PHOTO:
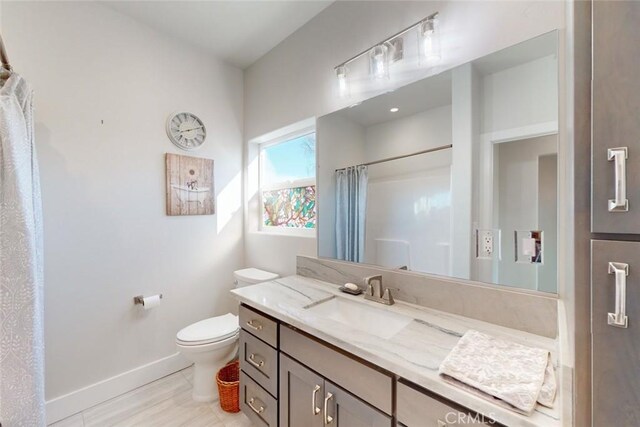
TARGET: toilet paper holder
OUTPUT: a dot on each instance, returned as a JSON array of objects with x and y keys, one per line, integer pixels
[{"x": 140, "y": 299}]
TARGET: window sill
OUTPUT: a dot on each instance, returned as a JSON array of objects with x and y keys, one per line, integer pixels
[{"x": 305, "y": 233}]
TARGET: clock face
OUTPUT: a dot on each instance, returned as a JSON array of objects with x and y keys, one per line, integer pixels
[{"x": 186, "y": 130}]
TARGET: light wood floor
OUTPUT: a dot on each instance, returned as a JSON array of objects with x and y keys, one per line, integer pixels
[{"x": 165, "y": 402}]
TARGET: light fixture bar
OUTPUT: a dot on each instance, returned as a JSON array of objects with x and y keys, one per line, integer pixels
[{"x": 387, "y": 40}]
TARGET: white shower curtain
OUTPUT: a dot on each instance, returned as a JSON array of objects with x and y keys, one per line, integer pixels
[
  {"x": 21, "y": 283},
  {"x": 351, "y": 210}
]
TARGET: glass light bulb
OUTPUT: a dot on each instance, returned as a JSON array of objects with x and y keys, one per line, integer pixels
[
  {"x": 379, "y": 61},
  {"x": 430, "y": 36},
  {"x": 343, "y": 83}
]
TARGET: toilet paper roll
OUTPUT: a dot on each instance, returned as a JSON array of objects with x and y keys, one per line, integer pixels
[{"x": 151, "y": 302}]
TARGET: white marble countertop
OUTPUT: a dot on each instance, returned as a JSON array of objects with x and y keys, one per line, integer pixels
[{"x": 414, "y": 353}]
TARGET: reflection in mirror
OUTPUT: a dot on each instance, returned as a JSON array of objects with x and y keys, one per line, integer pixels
[{"x": 454, "y": 175}]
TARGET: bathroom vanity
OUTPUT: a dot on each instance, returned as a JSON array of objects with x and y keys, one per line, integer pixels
[
  {"x": 449, "y": 190},
  {"x": 312, "y": 356}
]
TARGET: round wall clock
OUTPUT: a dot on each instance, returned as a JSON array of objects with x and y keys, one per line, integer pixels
[{"x": 186, "y": 130}]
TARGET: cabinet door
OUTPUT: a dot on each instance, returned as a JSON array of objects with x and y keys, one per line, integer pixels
[
  {"x": 301, "y": 394},
  {"x": 416, "y": 408},
  {"x": 616, "y": 332},
  {"x": 616, "y": 108},
  {"x": 341, "y": 409}
]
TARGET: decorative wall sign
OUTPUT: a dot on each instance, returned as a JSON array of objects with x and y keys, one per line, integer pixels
[{"x": 190, "y": 186}]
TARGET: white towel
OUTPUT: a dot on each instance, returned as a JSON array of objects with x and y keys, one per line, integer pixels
[{"x": 507, "y": 373}]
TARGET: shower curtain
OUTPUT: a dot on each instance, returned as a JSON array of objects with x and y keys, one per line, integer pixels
[
  {"x": 351, "y": 209},
  {"x": 21, "y": 281}
]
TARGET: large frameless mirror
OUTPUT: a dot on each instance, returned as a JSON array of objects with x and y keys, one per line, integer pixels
[{"x": 454, "y": 175}]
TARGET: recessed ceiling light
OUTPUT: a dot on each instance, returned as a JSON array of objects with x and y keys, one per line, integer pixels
[{"x": 394, "y": 110}]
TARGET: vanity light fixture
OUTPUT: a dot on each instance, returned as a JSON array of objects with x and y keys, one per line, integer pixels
[
  {"x": 392, "y": 49},
  {"x": 394, "y": 109}
]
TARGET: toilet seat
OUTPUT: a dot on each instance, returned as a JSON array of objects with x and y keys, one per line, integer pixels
[{"x": 207, "y": 331}]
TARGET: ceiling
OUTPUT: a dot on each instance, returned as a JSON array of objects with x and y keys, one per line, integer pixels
[
  {"x": 422, "y": 95},
  {"x": 238, "y": 32}
]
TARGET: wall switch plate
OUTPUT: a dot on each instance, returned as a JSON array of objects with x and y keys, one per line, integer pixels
[
  {"x": 487, "y": 244},
  {"x": 529, "y": 246}
]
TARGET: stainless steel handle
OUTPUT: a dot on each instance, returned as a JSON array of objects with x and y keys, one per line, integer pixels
[
  {"x": 327, "y": 418},
  {"x": 619, "y": 157},
  {"x": 619, "y": 318},
  {"x": 314, "y": 409},
  {"x": 254, "y": 324},
  {"x": 252, "y": 359},
  {"x": 256, "y": 410}
]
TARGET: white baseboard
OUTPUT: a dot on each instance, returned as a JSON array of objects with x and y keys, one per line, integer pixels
[{"x": 84, "y": 398}]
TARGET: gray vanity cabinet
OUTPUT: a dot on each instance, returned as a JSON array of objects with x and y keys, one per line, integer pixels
[
  {"x": 292, "y": 379},
  {"x": 615, "y": 206},
  {"x": 258, "y": 356},
  {"x": 615, "y": 276},
  {"x": 307, "y": 399},
  {"x": 301, "y": 394},
  {"x": 616, "y": 129}
]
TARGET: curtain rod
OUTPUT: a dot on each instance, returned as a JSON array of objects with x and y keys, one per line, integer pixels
[
  {"x": 388, "y": 159},
  {"x": 4, "y": 58}
]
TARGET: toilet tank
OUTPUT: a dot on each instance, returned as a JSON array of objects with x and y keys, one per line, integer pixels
[{"x": 250, "y": 276}]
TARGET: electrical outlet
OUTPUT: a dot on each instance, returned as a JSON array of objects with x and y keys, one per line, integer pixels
[{"x": 486, "y": 241}]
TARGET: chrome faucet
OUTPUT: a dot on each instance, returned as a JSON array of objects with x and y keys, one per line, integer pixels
[{"x": 376, "y": 292}]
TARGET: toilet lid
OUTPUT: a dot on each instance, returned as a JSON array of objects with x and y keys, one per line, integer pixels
[{"x": 210, "y": 330}]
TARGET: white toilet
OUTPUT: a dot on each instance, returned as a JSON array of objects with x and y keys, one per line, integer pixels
[{"x": 212, "y": 343}]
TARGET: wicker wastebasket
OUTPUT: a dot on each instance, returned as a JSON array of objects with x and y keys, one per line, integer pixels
[{"x": 228, "y": 379}]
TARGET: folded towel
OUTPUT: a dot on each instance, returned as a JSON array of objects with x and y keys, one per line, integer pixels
[{"x": 507, "y": 373}]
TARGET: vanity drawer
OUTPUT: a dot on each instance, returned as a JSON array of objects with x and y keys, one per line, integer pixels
[
  {"x": 257, "y": 404},
  {"x": 417, "y": 409},
  {"x": 367, "y": 383},
  {"x": 259, "y": 361},
  {"x": 259, "y": 325}
]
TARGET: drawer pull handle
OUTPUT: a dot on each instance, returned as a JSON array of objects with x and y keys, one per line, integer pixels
[
  {"x": 619, "y": 317},
  {"x": 619, "y": 156},
  {"x": 257, "y": 363},
  {"x": 315, "y": 410},
  {"x": 254, "y": 324},
  {"x": 327, "y": 418},
  {"x": 256, "y": 410}
]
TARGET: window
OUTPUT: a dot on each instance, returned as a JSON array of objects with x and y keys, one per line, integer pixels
[{"x": 288, "y": 183}]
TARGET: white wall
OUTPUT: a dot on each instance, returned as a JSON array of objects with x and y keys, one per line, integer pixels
[
  {"x": 295, "y": 80},
  {"x": 521, "y": 96},
  {"x": 420, "y": 186},
  {"x": 427, "y": 129},
  {"x": 518, "y": 208},
  {"x": 341, "y": 143},
  {"x": 517, "y": 103},
  {"x": 104, "y": 86}
]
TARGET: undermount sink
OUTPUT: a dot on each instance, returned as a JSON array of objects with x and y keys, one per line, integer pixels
[{"x": 373, "y": 321}]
